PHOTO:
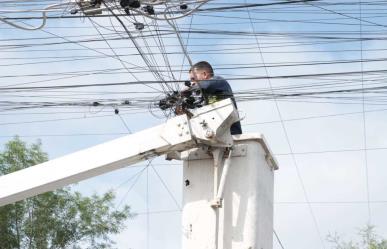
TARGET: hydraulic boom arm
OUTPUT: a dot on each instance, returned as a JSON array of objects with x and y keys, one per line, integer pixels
[{"x": 209, "y": 125}]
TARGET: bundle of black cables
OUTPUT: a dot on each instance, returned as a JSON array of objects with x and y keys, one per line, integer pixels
[{"x": 181, "y": 102}]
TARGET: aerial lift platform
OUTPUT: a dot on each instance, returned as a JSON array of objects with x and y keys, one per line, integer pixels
[{"x": 228, "y": 192}]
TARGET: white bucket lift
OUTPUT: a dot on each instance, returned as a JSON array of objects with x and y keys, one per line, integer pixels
[
  {"x": 229, "y": 208},
  {"x": 228, "y": 194}
]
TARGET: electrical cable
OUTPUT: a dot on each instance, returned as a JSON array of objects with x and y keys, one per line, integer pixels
[
  {"x": 288, "y": 141},
  {"x": 278, "y": 239},
  {"x": 364, "y": 115},
  {"x": 44, "y": 16}
]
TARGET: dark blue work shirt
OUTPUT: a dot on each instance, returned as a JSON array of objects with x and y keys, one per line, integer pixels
[{"x": 216, "y": 89}]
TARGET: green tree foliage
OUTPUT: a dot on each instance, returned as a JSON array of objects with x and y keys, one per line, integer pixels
[
  {"x": 58, "y": 219},
  {"x": 368, "y": 240}
]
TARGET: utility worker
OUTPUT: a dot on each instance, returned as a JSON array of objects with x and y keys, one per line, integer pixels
[{"x": 214, "y": 88}]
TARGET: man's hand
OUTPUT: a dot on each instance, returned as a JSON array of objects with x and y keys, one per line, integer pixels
[{"x": 179, "y": 110}]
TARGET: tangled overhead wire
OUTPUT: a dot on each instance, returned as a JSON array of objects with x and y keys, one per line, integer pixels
[
  {"x": 182, "y": 102},
  {"x": 156, "y": 10},
  {"x": 49, "y": 8}
]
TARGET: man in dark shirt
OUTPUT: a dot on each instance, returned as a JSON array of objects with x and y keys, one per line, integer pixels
[{"x": 214, "y": 88}]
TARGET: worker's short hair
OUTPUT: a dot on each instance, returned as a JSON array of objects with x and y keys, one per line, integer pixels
[{"x": 203, "y": 65}]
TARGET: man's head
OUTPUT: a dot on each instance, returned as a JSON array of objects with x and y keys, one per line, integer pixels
[{"x": 201, "y": 71}]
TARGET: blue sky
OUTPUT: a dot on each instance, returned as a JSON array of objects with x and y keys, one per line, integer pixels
[{"x": 330, "y": 147}]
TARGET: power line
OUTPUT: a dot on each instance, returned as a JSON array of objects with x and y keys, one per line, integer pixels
[
  {"x": 278, "y": 239},
  {"x": 288, "y": 140}
]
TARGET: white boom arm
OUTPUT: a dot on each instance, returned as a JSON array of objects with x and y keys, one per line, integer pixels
[{"x": 209, "y": 125}]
